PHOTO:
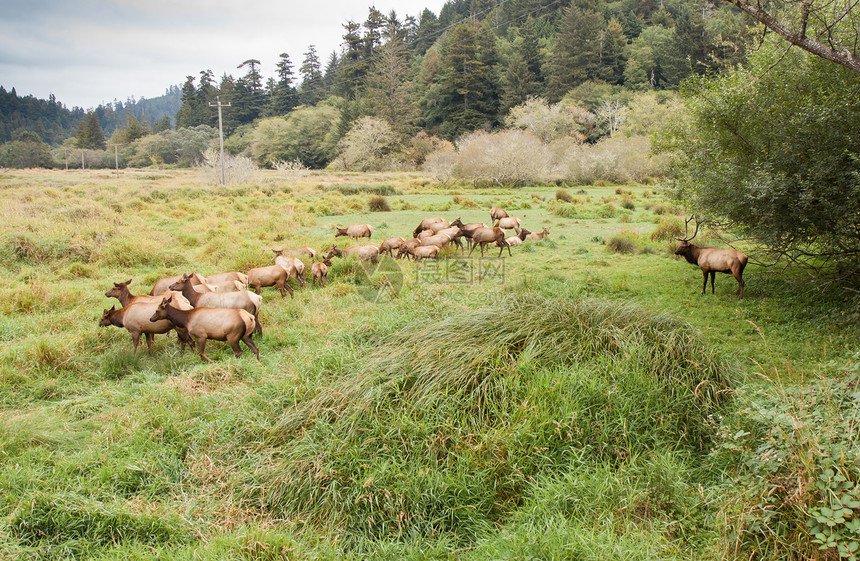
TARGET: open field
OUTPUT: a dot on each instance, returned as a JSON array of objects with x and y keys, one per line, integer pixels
[{"x": 570, "y": 401}]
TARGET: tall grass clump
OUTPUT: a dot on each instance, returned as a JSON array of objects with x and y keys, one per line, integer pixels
[
  {"x": 440, "y": 427},
  {"x": 793, "y": 454}
]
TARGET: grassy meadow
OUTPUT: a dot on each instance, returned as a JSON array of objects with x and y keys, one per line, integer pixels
[{"x": 579, "y": 399}]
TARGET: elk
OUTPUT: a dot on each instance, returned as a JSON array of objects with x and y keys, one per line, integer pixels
[
  {"x": 319, "y": 271},
  {"x": 509, "y": 222},
  {"x": 539, "y": 235},
  {"x": 272, "y": 275},
  {"x": 355, "y": 231},
  {"x": 425, "y": 224},
  {"x": 518, "y": 239},
  {"x": 121, "y": 292},
  {"x": 497, "y": 214},
  {"x": 407, "y": 246},
  {"x": 388, "y": 246},
  {"x": 712, "y": 260},
  {"x": 294, "y": 266},
  {"x": 485, "y": 236},
  {"x": 364, "y": 252},
  {"x": 135, "y": 319},
  {"x": 244, "y": 300},
  {"x": 221, "y": 324},
  {"x": 163, "y": 285},
  {"x": 424, "y": 252}
]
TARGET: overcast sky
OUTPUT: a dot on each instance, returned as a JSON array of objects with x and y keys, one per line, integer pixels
[{"x": 88, "y": 52}]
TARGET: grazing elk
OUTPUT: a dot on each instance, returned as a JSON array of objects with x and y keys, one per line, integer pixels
[
  {"x": 220, "y": 324},
  {"x": 355, "y": 231},
  {"x": 497, "y": 214},
  {"x": 712, "y": 260},
  {"x": 486, "y": 236},
  {"x": 388, "y": 246},
  {"x": 425, "y": 224},
  {"x": 294, "y": 266},
  {"x": 121, "y": 292},
  {"x": 424, "y": 252},
  {"x": 364, "y": 252}
]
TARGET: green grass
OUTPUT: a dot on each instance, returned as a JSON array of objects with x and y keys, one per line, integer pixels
[{"x": 585, "y": 403}]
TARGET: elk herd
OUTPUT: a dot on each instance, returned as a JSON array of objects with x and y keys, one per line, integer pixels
[{"x": 226, "y": 306}]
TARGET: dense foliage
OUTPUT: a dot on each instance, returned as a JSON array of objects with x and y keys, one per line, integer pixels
[{"x": 788, "y": 173}]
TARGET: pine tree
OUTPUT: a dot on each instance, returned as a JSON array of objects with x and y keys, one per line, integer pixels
[
  {"x": 161, "y": 125},
  {"x": 185, "y": 115},
  {"x": 90, "y": 134},
  {"x": 576, "y": 57},
  {"x": 389, "y": 93},
  {"x": 250, "y": 98},
  {"x": 353, "y": 66},
  {"x": 283, "y": 97},
  {"x": 427, "y": 32},
  {"x": 311, "y": 77},
  {"x": 373, "y": 26}
]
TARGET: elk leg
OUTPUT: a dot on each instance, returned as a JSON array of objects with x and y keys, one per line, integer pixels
[
  {"x": 740, "y": 286},
  {"x": 135, "y": 339},
  {"x": 713, "y": 275},
  {"x": 705, "y": 284},
  {"x": 201, "y": 348},
  {"x": 250, "y": 342},
  {"x": 149, "y": 337},
  {"x": 234, "y": 344},
  {"x": 258, "y": 327}
]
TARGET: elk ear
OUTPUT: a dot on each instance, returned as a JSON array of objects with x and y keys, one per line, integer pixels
[{"x": 128, "y": 282}]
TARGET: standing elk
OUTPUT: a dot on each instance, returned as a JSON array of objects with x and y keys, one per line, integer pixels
[
  {"x": 486, "y": 236},
  {"x": 390, "y": 245},
  {"x": 295, "y": 267},
  {"x": 712, "y": 260},
  {"x": 320, "y": 272},
  {"x": 363, "y": 252},
  {"x": 509, "y": 222},
  {"x": 355, "y": 231},
  {"x": 221, "y": 324}
]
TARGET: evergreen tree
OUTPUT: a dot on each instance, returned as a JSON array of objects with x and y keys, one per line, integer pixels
[
  {"x": 185, "y": 115},
  {"x": 161, "y": 125},
  {"x": 427, "y": 32},
  {"x": 353, "y": 64},
  {"x": 249, "y": 99},
  {"x": 466, "y": 94},
  {"x": 134, "y": 129},
  {"x": 390, "y": 94},
  {"x": 612, "y": 59},
  {"x": 373, "y": 26},
  {"x": 311, "y": 77},
  {"x": 516, "y": 84},
  {"x": 283, "y": 97},
  {"x": 576, "y": 57},
  {"x": 90, "y": 134},
  {"x": 205, "y": 94}
]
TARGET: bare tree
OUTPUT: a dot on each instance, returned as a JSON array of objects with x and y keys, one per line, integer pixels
[{"x": 829, "y": 29}]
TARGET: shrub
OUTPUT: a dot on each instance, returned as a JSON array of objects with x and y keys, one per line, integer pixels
[
  {"x": 378, "y": 203},
  {"x": 667, "y": 230},
  {"x": 628, "y": 203},
  {"x": 626, "y": 242},
  {"x": 562, "y": 195},
  {"x": 237, "y": 169},
  {"x": 508, "y": 157},
  {"x": 565, "y": 210}
]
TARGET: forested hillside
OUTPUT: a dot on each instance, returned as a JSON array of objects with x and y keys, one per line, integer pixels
[{"x": 53, "y": 122}]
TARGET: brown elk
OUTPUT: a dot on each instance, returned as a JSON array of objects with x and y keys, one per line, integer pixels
[
  {"x": 388, "y": 246},
  {"x": 497, "y": 214},
  {"x": 509, "y": 222},
  {"x": 272, "y": 275},
  {"x": 220, "y": 324},
  {"x": 364, "y": 252},
  {"x": 294, "y": 266},
  {"x": 320, "y": 272},
  {"x": 121, "y": 292},
  {"x": 518, "y": 239},
  {"x": 355, "y": 231},
  {"x": 244, "y": 300},
  {"x": 538, "y": 235},
  {"x": 135, "y": 319},
  {"x": 712, "y": 260},
  {"x": 486, "y": 236},
  {"x": 424, "y": 252},
  {"x": 424, "y": 224}
]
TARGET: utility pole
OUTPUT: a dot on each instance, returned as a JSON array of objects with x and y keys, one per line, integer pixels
[
  {"x": 219, "y": 105},
  {"x": 116, "y": 157}
]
